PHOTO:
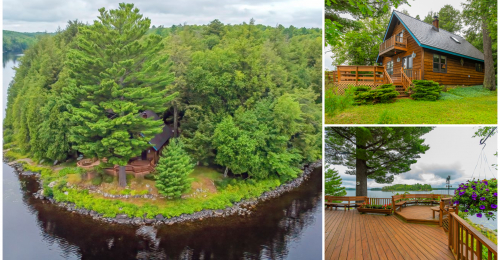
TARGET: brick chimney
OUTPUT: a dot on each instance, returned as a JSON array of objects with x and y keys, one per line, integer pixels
[{"x": 435, "y": 23}]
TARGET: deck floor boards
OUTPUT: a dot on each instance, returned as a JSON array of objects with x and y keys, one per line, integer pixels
[
  {"x": 418, "y": 212},
  {"x": 350, "y": 235}
]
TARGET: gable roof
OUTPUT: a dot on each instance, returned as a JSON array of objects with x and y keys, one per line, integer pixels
[
  {"x": 429, "y": 38},
  {"x": 160, "y": 139}
]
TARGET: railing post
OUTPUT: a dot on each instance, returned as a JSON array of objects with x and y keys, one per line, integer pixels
[
  {"x": 441, "y": 212},
  {"x": 338, "y": 74},
  {"x": 479, "y": 249},
  {"x": 356, "y": 75}
]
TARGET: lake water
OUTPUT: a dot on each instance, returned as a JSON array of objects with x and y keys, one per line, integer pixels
[
  {"x": 288, "y": 227},
  {"x": 492, "y": 224}
]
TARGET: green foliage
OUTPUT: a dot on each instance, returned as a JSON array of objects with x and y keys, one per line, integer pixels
[
  {"x": 107, "y": 178},
  {"x": 478, "y": 197},
  {"x": 388, "y": 117},
  {"x": 386, "y": 151},
  {"x": 18, "y": 41},
  {"x": 474, "y": 91},
  {"x": 382, "y": 94},
  {"x": 449, "y": 19},
  {"x": 425, "y": 90},
  {"x": 70, "y": 170},
  {"x": 335, "y": 103},
  {"x": 97, "y": 180},
  {"x": 333, "y": 183},
  {"x": 173, "y": 169},
  {"x": 408, "y": 187}
]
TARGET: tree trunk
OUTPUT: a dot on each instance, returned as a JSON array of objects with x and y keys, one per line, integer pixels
[
  {"x": 489, "y": 66},
  {"x": 122, "y": 176},
  {"x": 175, "y": 121},
  {"x": 361, "y": 178}
]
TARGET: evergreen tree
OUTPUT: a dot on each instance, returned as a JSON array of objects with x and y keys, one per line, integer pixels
[
  {"x": 116, "y": 72},
  {"x": 377, "y": 153},
  {"x": 173, "y": 169},
  {"x": 333, "y": 183}
]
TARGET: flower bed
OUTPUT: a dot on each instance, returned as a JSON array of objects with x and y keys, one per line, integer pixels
[
  {"x": 477, "y": 197},
  {"x": 371, "y": 208}
]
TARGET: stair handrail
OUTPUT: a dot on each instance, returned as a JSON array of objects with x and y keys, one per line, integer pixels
[
  {"x": 405, "y": 80},
  {"x": 389, "y": 79}
]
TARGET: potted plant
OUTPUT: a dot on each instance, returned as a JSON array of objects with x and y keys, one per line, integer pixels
[
  {"x": 477, "y": 197},
  {"x": 367, "y": 208}
]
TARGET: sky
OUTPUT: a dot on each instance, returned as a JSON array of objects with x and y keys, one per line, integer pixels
[
  {"x": 418, "y": 7},
  {"x": 452, "y": 152},
  {"x": 48, "y": 15}
]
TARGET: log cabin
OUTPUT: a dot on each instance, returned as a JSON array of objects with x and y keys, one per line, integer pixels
[{"x": 413, "y": 49}]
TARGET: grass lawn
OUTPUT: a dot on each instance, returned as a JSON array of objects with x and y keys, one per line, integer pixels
[{"x": 469, "y": 105}]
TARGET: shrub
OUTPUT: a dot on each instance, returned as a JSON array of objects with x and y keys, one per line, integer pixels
[
  {"x": 385, "y": 93},
  {"x": 362, "y": 95},
  {"x": 97, "y": 180},
  {"x": 335, "y": 103},
  {"x": 478, "y": 197},
  {"x": 107, "y": 178},
  {"x": 70, "y": 170},
  {"x": 425, "y": 90}
]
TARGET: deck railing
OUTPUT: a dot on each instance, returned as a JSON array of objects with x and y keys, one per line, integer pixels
[
  {"x": 358, "y": 75},
  {"x": 466, "y": 242},
  {"x": 394, "y": 41},
  {"x": 408, "y": 76},
  {"x": 379, "y": 201}
]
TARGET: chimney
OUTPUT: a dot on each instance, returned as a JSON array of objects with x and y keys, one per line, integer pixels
[{"x": 435, "y": 23}]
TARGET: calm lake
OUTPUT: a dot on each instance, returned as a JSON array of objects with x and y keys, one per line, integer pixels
[
  {"x": 492, "y": 224},
  {"x": 289, "y": 227}
]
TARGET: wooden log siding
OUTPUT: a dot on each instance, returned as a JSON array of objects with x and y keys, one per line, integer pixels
[
  {"x": 456, "y": 74},
  {"x": 466, "y": 242}
]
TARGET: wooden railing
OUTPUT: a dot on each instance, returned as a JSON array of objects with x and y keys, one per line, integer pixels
[
  {"x": 388, "y": 77},
  {"x": 330, "y": 76},
  {"x": 466, "y": 242},
  {"x": 412, "y": 74},
  {"x": 405, "y": 81},
  {"x": 378, "y": 201},
  {"x": 394, "y": 41},
  {"x": 445, "y": 207},
  {"x": 358, "y": 75}
]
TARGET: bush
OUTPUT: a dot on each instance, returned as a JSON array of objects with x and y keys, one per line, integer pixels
[
  {"x": 384, "y": 94},
  {"x": 70, "y": 170},
  {"x": 425, "y": 90},
  {"x": 107, "y": 178},
  {"x": 335, "y": 103},
  {"x": 97, "y": 180}
]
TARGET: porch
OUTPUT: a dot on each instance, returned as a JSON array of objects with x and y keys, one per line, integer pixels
[{"x": 372, "y": 76}]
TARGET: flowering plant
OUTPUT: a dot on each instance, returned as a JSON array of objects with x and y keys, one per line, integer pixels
[{"x": 477, "y": 197}]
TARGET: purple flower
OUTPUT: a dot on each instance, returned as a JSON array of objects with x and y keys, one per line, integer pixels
[
  {"x": 473, "y": 198},
  {"x": 456, "y": 202},
  {"x": 483, "y": 198},
  {"x": 466, "y": 210},
  {"x": 485, "y": 182},
  {"x": 491, "y": 213},
  {"x": 493, "y": 206},
  {"x": 487, "y": 189},
  {"x": 482, "y": 207},
  {"x": 495, "y": 194},
  {"x": 461, "y": 193},
  {"x": 479, "y": 215},
  {"x": 474, "y": 195}
]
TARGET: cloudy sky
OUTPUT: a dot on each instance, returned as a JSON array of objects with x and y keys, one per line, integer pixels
[
  {"x": 48, "y": 15},
  {"x": 452, "y": 152},
  {"x": 420, "y": 7}
]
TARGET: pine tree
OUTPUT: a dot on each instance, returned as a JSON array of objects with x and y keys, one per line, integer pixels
[
  {"x": 333, "y": 183},
  {"x": 173, "y": 169},
  {"x": 116, "y": 71}
]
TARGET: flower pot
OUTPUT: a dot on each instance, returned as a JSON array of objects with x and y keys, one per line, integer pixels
[{"x": 381, "y": 211}]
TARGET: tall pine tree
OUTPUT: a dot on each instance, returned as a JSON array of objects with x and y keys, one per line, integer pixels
[
  {"x": 116, "y": 72},
  {"x": 173, "y": 169},
  {"x": 333, "y": 183}
]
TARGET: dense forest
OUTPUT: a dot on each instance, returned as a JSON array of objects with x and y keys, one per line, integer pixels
[
  {"x": 408, "y": 187},
  {"x": 243, "y": 97},
  {"x": 18, "y": 41}
]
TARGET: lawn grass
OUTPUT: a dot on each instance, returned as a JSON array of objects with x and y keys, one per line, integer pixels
[
  {"x": 469, "y": 105},
  {"x": 202, "y": 172}
]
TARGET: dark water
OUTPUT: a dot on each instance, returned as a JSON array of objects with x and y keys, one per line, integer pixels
[{"x": 288, "y": 227}]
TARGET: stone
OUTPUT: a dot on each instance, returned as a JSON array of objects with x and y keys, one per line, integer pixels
[
  {"x": 159, "y": 217},
  {"x": 56, "y": 162},
  {"x": 219, "y": 212},
  {"x": 52, "y": 184},
  {"x": 121, "y": 216}
]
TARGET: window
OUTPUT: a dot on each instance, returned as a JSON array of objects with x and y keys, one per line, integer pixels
[
  {"x": 390, "y": 67},
  {"x": 439, "y": 63},
  {"x": 407, "y": 62},
  {"x": 455, "y": 39},
  {"x": 479, "y": 68}
]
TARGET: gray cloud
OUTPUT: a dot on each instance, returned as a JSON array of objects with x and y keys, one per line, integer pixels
[{"x": 37, "y": 15}]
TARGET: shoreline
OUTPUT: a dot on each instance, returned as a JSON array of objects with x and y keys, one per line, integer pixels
[{"x": 241, "y": 208}]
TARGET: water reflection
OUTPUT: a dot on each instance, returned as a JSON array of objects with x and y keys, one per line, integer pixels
[
  {"x": 272, "y": 232},
  {"x": 10, "y": 57}
]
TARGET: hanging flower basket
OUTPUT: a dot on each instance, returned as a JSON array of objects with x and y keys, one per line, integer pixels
[{"x": 477, "y": 197}]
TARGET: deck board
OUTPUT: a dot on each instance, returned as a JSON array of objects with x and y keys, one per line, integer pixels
[{"x": 350, "y": 235}]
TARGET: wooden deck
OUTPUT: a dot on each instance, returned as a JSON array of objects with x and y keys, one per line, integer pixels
[
  {"x": 418, "y": 214},
  {"x": 350, "y": 235}
]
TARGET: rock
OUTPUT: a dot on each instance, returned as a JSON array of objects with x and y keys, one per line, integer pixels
[
  {"x": 121, "y": 216},
  {"x": 159, "y": 217},
  {"x": 149, "y": 221},
  {"x": 56, "y": 162},
  {"x": 41, "y": 161},
  {"x": 219, "y": 212},
  {"x": 66, "y": 193},
  {"x": 52, "y": 184}
]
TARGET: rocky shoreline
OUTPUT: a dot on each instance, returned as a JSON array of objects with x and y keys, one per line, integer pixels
[{"x": 242, "y": 208}]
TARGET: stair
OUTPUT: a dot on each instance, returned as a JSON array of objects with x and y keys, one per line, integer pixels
[{"x": 401, "y": 90}]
